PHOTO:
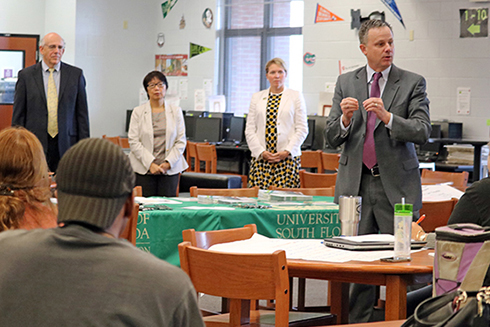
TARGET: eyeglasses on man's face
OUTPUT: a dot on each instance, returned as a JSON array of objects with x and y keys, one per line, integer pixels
[{"x": 52, "y": 47}]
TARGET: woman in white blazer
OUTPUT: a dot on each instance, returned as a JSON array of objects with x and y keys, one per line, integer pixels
[
  {"x": 157, "y": 140},
  {"x": 276, "y": 128}
]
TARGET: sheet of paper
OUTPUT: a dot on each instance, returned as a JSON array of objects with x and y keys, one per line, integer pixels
[
  {"x": 440, "y": 192},
  {"x": 310, "y": 249},
  {"x": 143, "y": 200},
  {"x": 185, "y": 199},
  {"x": 183, "y": 88},
  {"x": 208, "y": 208}
]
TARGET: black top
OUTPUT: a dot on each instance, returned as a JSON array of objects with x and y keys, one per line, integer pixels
[{"x": 474, "y": 205}]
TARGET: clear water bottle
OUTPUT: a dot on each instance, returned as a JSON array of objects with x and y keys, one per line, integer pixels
[{"x": 403, "y": 230}]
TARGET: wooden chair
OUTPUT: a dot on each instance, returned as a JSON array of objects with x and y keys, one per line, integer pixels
[
  {"x": 312, "y": 159},
  {"x": 330, "y": 162},
  {"x": 437, "y": 213},
  {"x": 124, "y": 142},
  {"x": 114, "y": 139},
  {"x": 252, "y": 192},
  {"x": 459, "y": 180},
  {"x": 207, "y": 153},
  {"x": 324, "y": 191},
  {"x": 191, "y": 157},
  {"x": 206, "y": 239},
  {"x": 138, "y": 191},
  {"x": 129, "y": 233},
  {"x": 312, "y": 180},
  {"x": 244, "y": 278}
]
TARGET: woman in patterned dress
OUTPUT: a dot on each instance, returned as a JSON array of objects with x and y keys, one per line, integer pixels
[{"x": 276, "y": 128}]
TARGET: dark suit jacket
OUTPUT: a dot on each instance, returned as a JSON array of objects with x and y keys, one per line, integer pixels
[
  {"x": 405, "y": 97},
  {"x": 31, "y": 111}
]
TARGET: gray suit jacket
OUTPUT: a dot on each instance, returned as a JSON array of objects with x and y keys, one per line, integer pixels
[
  {"x": 405, "y": 97},
  {"x": 31, "y": 111}
]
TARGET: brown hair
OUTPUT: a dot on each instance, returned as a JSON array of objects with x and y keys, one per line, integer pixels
[
  {"x": 368, "y": 25},
  {"x": 23, "y": 175}
]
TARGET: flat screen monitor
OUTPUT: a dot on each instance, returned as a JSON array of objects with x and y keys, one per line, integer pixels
[
  {"x": 237, "y": 130},
  {"x": 190, "y": 127},
  {"x": 208, "y": 130},
  {"x": 319, "y": 138},
  {"x": 225, "y": 122},
  {"x": 308, "y": 143},
  {"x": 128, "y": 118}
]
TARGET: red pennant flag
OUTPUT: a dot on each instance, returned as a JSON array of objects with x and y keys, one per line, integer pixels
[{"x": 323, "y": 15}]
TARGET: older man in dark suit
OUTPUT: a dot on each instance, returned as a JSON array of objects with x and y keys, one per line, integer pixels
[
  {"x": 379, "y": 111},
  {"x": 50, "y": 101}
]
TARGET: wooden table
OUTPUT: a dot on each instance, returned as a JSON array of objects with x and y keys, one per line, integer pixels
[{"x": 396, "y": 277}]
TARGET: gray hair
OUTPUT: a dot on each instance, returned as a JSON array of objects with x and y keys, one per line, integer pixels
[{"x": 369, "y": 24}]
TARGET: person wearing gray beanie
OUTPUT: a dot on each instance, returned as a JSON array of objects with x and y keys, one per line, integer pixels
[{"x": 80, "y": 274}]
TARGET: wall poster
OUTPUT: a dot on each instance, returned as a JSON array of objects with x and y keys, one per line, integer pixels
[{"x": 172, "y": 65}]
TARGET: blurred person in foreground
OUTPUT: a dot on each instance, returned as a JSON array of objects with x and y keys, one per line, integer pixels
[
  {"x": 157, "y": 140},
  {"x": 24, "y": 184},
  {"x": 276, "y": 128},
  {"x": 81, "y": 274}
]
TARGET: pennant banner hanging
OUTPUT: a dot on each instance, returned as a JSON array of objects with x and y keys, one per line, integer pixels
[
  {"x": 167, "y": 6},
  {"x": 391, "y": 4},
  {"x": 196, "y": 50},
  {"x": 323, "y": 15}
]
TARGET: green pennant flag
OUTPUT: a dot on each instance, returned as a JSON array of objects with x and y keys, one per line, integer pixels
[
  {"x": 167, "y": 6},
  {"x": 196, "y": 50}
]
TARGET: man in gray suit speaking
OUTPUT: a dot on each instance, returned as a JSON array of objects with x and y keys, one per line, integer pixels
[
  {"x": 379, "y": 111},
  {"x": 50, "y": 101}
]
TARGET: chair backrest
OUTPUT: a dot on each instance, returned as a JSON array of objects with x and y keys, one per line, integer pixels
[
  {"x": 206, "y": 239},
  {"x": 437, "y": 213},
  {"x": 330, "y": 161},
  {"x": 312, "y": 159},
  {"x": 239, "y": 277},
  {"x": 191, "y": 153},
  {"x": 312, "y": 180},
  {"x": 138, "y": 191},
  {"x": 251, "y": 192},
  {"x": 114, "y": 139},
  {"x": 124, "y": 142},
  {"x": 207, "y": 153},
  {"x": 129, "y": 233},
  {"x": 459, "y": 180},
  {"x": 320, "y": 191}
]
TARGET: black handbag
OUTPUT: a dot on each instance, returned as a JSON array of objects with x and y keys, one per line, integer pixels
[{"x": 455, "y": 309}]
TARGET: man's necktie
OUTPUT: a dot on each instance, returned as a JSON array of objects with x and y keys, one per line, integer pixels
[
  {"x": 369, "y": 152},
  {"x": 52, "y": 105}
]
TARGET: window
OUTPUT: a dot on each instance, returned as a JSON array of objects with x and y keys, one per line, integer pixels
[{"x": 250, "y": 33}]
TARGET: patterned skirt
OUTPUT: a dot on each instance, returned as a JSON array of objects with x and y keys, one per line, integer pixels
[{"x": 283, "y": 174}]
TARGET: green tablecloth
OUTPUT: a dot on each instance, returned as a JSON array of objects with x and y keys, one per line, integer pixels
[{"x": 159, "y": 232}]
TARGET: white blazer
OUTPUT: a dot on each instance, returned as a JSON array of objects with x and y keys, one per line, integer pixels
[
  {"x": 292, "y": 125},
  {"x": 141, "y": 139}
]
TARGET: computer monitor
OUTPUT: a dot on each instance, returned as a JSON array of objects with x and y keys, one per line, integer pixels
[
  {"x": 190, "y": 127},
  {"x": 308, "y": 143},
  {"x": 208, "y": 129},
  {"x": 128, "y": 118},
  {"x": 225, "y": 122},
  {"x": 319, "y": 138},
  {"x": 237, "y": 130}
]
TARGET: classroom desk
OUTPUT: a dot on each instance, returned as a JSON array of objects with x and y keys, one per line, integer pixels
[
  {"x": 477, "y": 144},
  {"x": 396, "y": 277},
  {"x": 160, "y": 232}
]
